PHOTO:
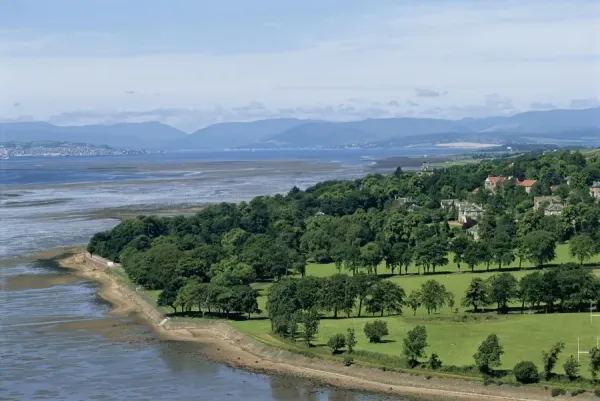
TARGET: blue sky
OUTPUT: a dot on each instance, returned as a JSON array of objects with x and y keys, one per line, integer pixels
[{"x": 191, "y": 63}]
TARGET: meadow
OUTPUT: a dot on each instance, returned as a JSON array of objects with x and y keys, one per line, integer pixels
[{"x": 454, "y": 335}]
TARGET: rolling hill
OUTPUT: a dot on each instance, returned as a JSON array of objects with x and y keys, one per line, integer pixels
[{"x": 576, "y": 127}]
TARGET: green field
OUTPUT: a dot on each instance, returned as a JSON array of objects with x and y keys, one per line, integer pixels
[{"x": 455, "y": 337}]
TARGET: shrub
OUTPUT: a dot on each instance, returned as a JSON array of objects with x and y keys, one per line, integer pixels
[
  {"x": 526, "y": 372},
  {"x": 549, "y": 358},
  {"x": 348, "y": 360},
  {"x": 336, "y": 342},
  {"x": 375, "y": 330},
  {"x": 434, "y": 362},
  {"x": 350, "y": 340},
  {"x": 571, "y": 368},
  {"x": 597, "y": 392},
  {"x": 556, "y": 391},
  {"x": 575, "y": 393}
]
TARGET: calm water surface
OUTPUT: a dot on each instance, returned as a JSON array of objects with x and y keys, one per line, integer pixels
[{"x": 58, "y": 343}]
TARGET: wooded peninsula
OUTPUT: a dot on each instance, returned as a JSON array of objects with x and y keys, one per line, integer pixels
[{"x": 484, "y": 270}]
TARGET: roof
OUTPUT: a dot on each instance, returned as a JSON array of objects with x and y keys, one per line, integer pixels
[
  {"x": 555, "y": 207},
  {"x": 494, "y": 180},
  {"x": 448, "y": 202},
  {"x": 526, "y": 183},
  {"x": 471, "y": 207}
]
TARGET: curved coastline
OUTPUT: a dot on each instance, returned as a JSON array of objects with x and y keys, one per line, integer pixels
[{"x": 232, "y": 347}]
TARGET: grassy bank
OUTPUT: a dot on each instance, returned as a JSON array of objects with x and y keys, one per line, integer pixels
[{"x": 454, "y": 336}]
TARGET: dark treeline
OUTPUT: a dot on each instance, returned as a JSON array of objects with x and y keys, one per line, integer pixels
[
  {"x": 569, "y": 287},
  {"x": 394, "y": 218}
]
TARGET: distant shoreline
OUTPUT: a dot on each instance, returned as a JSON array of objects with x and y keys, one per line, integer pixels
[
  {"x": 234, "y": 348},
  {"x": 467, "y": 145}
]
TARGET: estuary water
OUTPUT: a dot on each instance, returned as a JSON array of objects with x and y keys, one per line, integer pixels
[{"x": 57, "y": 341}]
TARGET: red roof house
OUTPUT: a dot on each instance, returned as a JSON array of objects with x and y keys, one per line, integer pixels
[
  {"x": 527, "y": 184},
  {"x": 492, "y": 182}
]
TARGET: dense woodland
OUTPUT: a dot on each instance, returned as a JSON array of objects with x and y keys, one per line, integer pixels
[{"x": 208, "y": 261}]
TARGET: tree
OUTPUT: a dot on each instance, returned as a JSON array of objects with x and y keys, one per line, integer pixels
[
  {"x": 310, "y": 321},
  {"x": 248, "y": 299},
  {"x": 375, "y": 330},
  {"x": 371, "y": 256},
  {"x": 387, "y": 296},
  {"x": 571, "y": 368},
  {"x": 459, "y": 247},
  {"x": 338, "y": 254},
  {"x": 414, "y": 301},
  {"x": 433, "y": 295},
  {"x": 540, "y": 247},
  {"x": 430, "y": 253},
  {"x": 474, "y": 254},
  {"x": 168, "y": 296},
  {"x": 414, "y": 345},
  {"x": 526, "y": 372},
  {"x": 503, "y": 288},
  {"x": 401, "y": 256},
  {"x": 477, "y": 294},
  {"x": 488, "y": 354},
  {"x": 350, "y": 340},
  {"x": 362, "y": 284},
  {"x": 278, "y": 260},
  {"x": 501, "y": 249},
  {"x": 550, "y": 358},
  {"x": 334, "y": 294},
  {"x": 282, "y": 302},
  {"x": 594, "y": 362},
  {"x": 531, "y": 289},
  {"x": 308, "y": 292},
  {"x": 336, "y": 342},
  {"x": 582, "y": 247}
]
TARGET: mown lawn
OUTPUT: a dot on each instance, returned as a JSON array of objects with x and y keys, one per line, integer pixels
[{"x": 523, "y": 336}]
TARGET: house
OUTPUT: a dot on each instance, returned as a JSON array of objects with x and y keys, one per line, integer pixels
[
  {"x": 548, "y": 200},
  {"x": 491, "y": 183},
  {"x": 554, "y": 209},
  {"x": 527, "y": 184},
  {"x": 469, "y": 211},
  {"x": 595, "y": 190},
  {"x": 426, "y": 169},
  {"x": 474, "y": 232},
  {"x": 447, "y": 204},
  {"x": 552, "y": 205},
  {"x": 405, "y": 202}
]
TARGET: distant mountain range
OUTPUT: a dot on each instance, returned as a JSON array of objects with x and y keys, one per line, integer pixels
[{"x": 574, "y": 127}]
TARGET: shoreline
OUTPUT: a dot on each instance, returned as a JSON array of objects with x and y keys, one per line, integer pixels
[{"x": 232, "y": 347}]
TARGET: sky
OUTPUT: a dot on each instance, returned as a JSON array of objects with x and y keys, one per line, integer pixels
[{"x": 190, "y": 63}]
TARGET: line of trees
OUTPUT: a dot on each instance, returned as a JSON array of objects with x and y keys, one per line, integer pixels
[
  {"x": 195, "y": 296},
  {"x": 337, "y": 294},
  {"x": 569, "y": 287}
]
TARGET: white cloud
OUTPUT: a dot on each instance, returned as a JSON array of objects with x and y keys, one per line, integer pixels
[{"x": 526, "y": 51}]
